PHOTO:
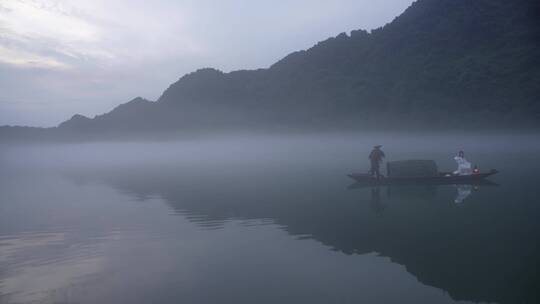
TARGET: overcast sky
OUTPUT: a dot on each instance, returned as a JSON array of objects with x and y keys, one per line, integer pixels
[{"x": 61, "y": 57}]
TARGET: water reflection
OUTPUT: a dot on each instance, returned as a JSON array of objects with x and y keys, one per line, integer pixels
[
  {"x": 45, "y": 263},
  {"x": 456, "y": 249},
  {"x": 463, "y": 191},
  {"x": 376, "y": 203}
]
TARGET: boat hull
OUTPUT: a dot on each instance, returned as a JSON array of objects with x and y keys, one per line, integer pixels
[{"x": 443, "y": 178}]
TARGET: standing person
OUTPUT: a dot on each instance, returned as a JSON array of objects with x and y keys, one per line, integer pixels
[{"x": 376, "y": 156}]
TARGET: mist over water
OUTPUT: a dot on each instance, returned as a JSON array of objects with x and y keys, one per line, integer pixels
[{"x": 266, "y": 219}]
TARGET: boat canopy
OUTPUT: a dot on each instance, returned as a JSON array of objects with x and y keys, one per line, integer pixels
[{"x": 412, "y": 168}]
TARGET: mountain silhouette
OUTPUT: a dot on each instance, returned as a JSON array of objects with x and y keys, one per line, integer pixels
[{"x": 440, "y": 63}]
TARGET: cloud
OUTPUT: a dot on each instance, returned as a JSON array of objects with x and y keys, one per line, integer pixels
[
  {"x": 43, "y": 34},
  {"x": 29, "y": 60},
  {"x": 46, "y": 19},
  {"x": 52, "y": 34}
]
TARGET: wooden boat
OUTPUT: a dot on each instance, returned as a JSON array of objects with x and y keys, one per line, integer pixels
[{"x": 444, "y": 178}]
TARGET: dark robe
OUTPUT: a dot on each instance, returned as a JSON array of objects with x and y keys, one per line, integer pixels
[{"x": 376, "y": 156}]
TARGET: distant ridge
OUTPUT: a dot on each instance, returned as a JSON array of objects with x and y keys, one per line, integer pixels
[{"x": 442, "y": 63}]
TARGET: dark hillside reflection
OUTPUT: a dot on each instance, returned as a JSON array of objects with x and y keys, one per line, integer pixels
[{"x": 481, "y": 247}]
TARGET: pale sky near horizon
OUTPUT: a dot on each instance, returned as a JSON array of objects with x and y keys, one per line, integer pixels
[{"x": 62, "y": 57}]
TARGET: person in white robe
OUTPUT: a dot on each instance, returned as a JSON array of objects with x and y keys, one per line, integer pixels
[{"x": 464, "y": 166}]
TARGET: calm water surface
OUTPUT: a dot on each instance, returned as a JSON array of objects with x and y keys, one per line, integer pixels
[{"x": 266, "y": 220}]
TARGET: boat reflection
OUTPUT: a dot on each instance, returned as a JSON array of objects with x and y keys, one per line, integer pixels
[{"x": 463, "y": 191}]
